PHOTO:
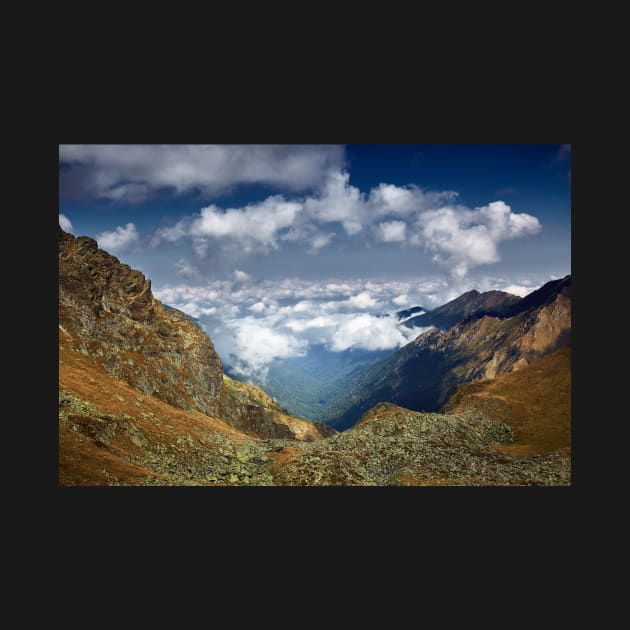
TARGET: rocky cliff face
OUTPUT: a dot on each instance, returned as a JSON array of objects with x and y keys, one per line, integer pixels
[
  {"x": 108, "y": 313},
  {"x": 252, "y": 410}
]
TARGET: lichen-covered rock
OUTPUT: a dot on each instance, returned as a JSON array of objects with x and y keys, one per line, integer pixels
[
  {"x": 110, "y": 313},
  {"x": 250, "y": 409},
  {"x": 394, "y": 446}
]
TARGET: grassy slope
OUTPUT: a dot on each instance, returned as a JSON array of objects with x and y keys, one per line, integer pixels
[
  {"x": 535, "y": 401},
  {"x": 81, "y": 462}
]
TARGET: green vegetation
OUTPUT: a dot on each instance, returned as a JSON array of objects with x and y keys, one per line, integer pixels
[{"x": 306, "y": 386}]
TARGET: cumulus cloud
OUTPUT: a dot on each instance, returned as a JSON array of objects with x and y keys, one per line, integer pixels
[
  {"x": 391, "y": 231},
  {"x": 258, "y": 307},
  {"x": 253, "y": 323},
  {"x": 402, "y": 201},
  {"x": 170, "y": 234},
  {"x": 362, "y": 300},
  {"x": 317, "y": 194},
  {"x": 241, "y": 276},
  {"x": 134, "y": 172},
  {"x": 463, "y": 238},
  {"x": 338, "y": 202},
  {"x": 121, "y": 239},
  {"x": 319, "y": 241},
  {"x": 256, "y": 345},
  {"x": 401, "y": 300},
  {"x": 371, "y": 333},
  {"x": 65, "y": 223},
  {"x": 255, "y": 226},
  {"x": 458, "y": 237}
]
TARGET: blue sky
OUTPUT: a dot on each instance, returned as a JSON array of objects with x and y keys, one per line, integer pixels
[{"x": 221, "y": 229}]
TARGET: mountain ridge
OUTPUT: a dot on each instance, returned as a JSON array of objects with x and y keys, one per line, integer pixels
[
  {"x": 423, "y": 374},
  {"x": 468, "y": 304}
]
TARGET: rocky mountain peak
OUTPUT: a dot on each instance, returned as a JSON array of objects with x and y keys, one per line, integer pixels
[
  {"x": 107, "y": 312},
  {"x": 110, "y": 313}
]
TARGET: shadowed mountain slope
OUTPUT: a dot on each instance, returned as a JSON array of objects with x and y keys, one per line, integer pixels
[{"x": 424, "y": 373}]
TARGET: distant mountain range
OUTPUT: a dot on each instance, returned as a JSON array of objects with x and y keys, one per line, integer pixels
[{"x": 487, "y": 334}]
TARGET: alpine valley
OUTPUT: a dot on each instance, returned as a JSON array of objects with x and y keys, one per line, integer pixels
[{"x": 481, "y": 397}]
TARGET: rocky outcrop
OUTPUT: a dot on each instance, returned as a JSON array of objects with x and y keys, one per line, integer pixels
[
  {"x": 252, "y": 410},
  {"x": 395, "y": 446},
  {"x": 108, "y": 313}
]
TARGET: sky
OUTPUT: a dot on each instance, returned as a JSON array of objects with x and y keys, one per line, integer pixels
[{"x": 276, "y": 248}]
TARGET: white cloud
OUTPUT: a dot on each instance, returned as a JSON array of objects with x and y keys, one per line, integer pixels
[
  {"x": 121, "y": 239},
  {"x": 65, "y": 223},
  {"x": 362, "y": 301},
  {"x": 463, "y": 238},
  {"x": 458, "y": 237},
  {"x": 255, "y": 226},
  {"x": 258, "y": 307},
  {"x": 338, "y": 202},
  {"x": 319, "y": 241},
  {"x": 241, "y": 276},
  {"x": 134, "y": 172},
  {"x": 252, "y": 322},
  {"x": 170, "y": 234},
  {"x": 517, "y": 289},
  {"x": 257, "y": 345},
  {"x": 391, "y": 231},
  {"x": 371, "y": 333},
  {"x": 403, "y": 201},
  {"x": 130, "y": 193}
]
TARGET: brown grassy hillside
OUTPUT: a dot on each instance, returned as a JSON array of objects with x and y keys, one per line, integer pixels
[{"x": 535, "y": 401}]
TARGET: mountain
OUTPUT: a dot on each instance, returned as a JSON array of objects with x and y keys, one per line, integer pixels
[
  {"x": 143, "y": 401},
  {"x": 424, "y": 373},
  {"x": 107, "y": 312},
  {"x": 541, "y": 297},
  {"x": 535, "y": 401},
  {"x": 466, "y": 305}
]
